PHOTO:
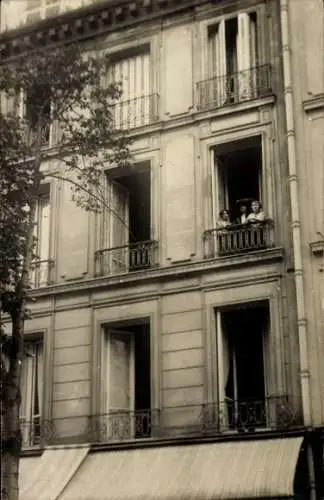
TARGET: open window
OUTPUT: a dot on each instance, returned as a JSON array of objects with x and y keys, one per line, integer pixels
[
  {"x": 243, "y": 367},
  {"x": 237, "y": 175},
  {"x": 126, "y": 229},
  {"x": 40, "y": 268},
  {"x": 237, "y": 182},
  {"x": 37, "y": 113},
  {"x": 236, "y": 73},
  {"x": 31, "y": 387},
  {"x": 126, "y": 381}
]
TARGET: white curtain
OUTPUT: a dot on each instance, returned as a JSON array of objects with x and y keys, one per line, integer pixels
[
  {"x": 27, "y": 388},
  {"x": 43, "y": 238},
  {"x": 40, "y": 376},
  {"x": 246, "y": 55},
  {"x": 39, "y": 271},
  {"x": 218, "y": 65},
  {"x": 134, "y": 75},
  {"x": 223, "y": 370},
  {"x": 118, "y": 383},
  {"x": 119, "y": 227}
]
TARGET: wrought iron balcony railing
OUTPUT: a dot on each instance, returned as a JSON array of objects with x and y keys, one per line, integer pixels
[
  {"x": 212, "y": 419},
  {"x": 32, "y": 432},
  {"x": 127, "y": 258},
  {"x": 238, "y": 238},
  {"x": 137, "y": 112},
  {"x": 234, "y": 88},
  {"x": 40, "y": 273}
]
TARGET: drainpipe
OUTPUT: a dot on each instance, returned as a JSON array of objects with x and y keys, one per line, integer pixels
[{"x": 296, "y": 233}]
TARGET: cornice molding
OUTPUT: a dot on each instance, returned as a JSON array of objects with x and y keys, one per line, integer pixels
[
  {"x": 89, "y": 22},
  {"x": 175, "y": 271},
  {"x": 314, "y": 104},
  {"x": 317, "y": 247}
]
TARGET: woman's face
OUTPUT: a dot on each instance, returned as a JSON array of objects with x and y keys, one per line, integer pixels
[
  {"x": 255, "y": 206},
  {"x": 225, "y": 215},
  {"x": 243, "y": 209}
]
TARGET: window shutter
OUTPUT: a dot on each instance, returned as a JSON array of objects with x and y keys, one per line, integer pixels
[
  {"x": 44, "y": 236},
  {"x": 118, "y": 381},
  {"x": 27, "y": 388},
  {"x": 246, "y": 55},
  {"x": 134, "y": 75},
  {"x": 119, "y": 227},
  {"x": 218, "y": 64}
]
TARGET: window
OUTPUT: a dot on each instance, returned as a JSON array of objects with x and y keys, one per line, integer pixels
[
  {"x": 237, "y": 174},
  {"x": 31, "y": 387},
  {"x": 40, "y": 271},
  {"x": 31, "y": 107},
  {"x": 125, "y": 237},
  {"x": 237, "y": 180},
  {"x": 137, "y": 105},
  {"x": 126, "y": 385},
  {"x": 243, "y": 367},
  {"x": 235, "y": 70},
  {"x": 38, "y": 107}
]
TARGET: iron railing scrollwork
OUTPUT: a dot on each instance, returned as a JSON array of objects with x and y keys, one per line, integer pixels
[
  {"x": 40, "y": 273},
  {"x": 126, "y": 258},
  {"x": 215, "y": 418},
  {"x": 234, "y": 88},
  {"x": 137, "y": 112},
  {"x": 238, "y": 238}
]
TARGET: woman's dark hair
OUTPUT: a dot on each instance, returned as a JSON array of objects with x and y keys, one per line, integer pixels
[{"x": 221, "y": 213}]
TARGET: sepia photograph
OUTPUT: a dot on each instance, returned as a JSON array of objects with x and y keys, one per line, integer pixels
[{"x": 162, "y": 249}]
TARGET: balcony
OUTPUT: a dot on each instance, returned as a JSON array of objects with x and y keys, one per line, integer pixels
[
  {"x": 238, "y": 238},
  {"x": 32, "y": 432},
  {"x": 211, "y": 419},
  {"x": 126, "y": 259},
  {"x": 235, "y": 88},
  {"x": 40, "y": 273},
  {"x": 138, "y": 112}
]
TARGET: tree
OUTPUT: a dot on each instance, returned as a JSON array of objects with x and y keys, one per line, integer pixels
[{"x": 66, "y": 94}]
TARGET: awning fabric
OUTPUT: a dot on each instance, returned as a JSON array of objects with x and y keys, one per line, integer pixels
[
  {"x": 45, "y": 477},
  {"x": 231, "y": 470}
]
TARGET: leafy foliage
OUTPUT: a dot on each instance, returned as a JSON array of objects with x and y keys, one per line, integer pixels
[{"x": 57, "y": 109}]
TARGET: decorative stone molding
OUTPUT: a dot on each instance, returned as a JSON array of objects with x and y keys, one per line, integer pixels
[
  {"x": 317, "y": 247},
  {"x": 314, "y": 104},
  {"x": 89, "y": 22},
  {"x": 178, "y": 271}
]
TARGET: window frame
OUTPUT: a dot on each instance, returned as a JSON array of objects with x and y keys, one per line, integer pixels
[
  {"x": 258, "y": 290},
  {"x": 35, "y": 337},
  {"x": 266, "y": 184},
  {"x": 45, "y": 193},
  {"x": 104, "y": 316},
  {"x": 263, "y": 45}
]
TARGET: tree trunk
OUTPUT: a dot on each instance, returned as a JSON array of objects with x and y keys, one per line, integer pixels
[
  {"x": 11, "y": 433},
  {"x": 10, "y": 455},
  {"x": 10, "y": 412}
]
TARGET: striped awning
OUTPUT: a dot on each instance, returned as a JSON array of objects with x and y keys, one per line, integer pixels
[
  {"x": 231, "y": 470},
  {"x": 46, "y": 476}
]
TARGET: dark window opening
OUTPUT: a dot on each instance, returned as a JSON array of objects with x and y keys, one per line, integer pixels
[
  {"x": 231, "y": 45},
  {"x": 127, "y": 226},
  {"x": 38, "y": 110},
  {"x": 138, "y": 186},
  {"x": 239, "y": 175},
  {"x": 244, "y": 334}
]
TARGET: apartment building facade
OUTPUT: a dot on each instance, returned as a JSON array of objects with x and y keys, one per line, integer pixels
[{"x": 172, "y": 357}]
